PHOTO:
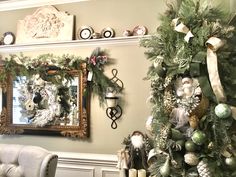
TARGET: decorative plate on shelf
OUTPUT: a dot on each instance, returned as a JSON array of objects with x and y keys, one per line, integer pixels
[
  {"x": 85, "y": 32},
  {"x": 8, "y": 38},
  {"x": 108, "y": 33},
  {"x": 139, "y": 31}
]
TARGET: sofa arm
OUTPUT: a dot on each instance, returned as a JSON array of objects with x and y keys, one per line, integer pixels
[{"x": 48, "y": 167}]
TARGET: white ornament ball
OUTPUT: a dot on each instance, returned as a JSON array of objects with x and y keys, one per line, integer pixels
[
  {"x": 222, "y": 111},
  {"x": 191, "y": 159}
]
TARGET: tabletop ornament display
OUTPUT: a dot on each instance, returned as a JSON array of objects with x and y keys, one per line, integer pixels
[
  {"x": 43, "y": 98},
  {"x": 193, "y": 94},
  {"x": 132, "y": 159}
]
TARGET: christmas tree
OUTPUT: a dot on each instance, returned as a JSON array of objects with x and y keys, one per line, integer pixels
[{"x": 193, "y": 91}]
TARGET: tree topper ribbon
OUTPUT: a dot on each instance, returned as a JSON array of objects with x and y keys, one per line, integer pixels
[
  {"x": 213, "y": 44},
  {"x": 182, "y": 28}
]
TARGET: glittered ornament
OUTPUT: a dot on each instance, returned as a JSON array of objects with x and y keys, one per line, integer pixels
[
  {"x": 190, "y": 146},
  {"x": 222, "y": 110},
  {"x": 199, "y": 137},
  {"x": 191, "y": 158}
]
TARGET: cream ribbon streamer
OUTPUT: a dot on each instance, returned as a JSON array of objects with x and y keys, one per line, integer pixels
[
  {"x": 182, "y": 28},
  {"x": 213, "y": 44}
]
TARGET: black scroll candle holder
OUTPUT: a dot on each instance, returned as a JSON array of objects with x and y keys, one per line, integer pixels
[{"x": 114, "y": 111}]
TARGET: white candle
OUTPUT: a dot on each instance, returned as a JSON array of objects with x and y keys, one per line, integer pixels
[
  {"x": 122, "y": 173},
  {"x": 141, "y": 173},
  {"x": 132, "y": 172}
]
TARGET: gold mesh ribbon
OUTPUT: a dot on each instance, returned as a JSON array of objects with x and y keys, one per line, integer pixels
[{"x": 182, "y": 28}]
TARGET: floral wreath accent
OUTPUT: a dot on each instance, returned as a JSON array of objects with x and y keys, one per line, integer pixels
[{"x": 45, "y": 98}]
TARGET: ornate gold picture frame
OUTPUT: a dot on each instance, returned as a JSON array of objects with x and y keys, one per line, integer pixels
[{"x": 31, "y": 105}]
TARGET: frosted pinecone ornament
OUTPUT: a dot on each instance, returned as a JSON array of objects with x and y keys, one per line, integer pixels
[{"x": 203, "y": 169}]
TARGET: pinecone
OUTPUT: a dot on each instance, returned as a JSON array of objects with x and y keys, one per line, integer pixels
[
  {"x": 203, "y": 169},
  {"x": 169, "y": 100},
  {"x": 164, "y": 135}
]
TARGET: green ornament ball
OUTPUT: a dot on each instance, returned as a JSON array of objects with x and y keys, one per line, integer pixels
[
  {"x": 190, "y": 146},
  {"x": 222, "y": 110},
  {"x": 198, "y": 137},
  {"x": 231, "y": 162}
]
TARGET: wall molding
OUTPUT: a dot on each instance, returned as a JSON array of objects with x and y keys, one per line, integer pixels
[
  {"x": 86, "y": 165},
  {"x": 87, "y": 158},
  {"x": 23, "y": 4}
]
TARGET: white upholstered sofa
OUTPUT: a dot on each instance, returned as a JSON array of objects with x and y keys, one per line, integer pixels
[{"x": 26, "y": 161}]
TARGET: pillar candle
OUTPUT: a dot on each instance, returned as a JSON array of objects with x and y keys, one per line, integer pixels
[
  {"x": 141, "y": 173},
  {"x": 122, "y": 173},
  {"x": 132, "y": 172}
]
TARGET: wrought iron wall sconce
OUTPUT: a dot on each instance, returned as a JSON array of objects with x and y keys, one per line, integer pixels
[{"x": 114, "y": 111}]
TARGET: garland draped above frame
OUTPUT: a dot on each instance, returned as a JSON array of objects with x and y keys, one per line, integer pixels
[
  {"x": 193, "y": 57},
  {"x": 47, "y": 65}
]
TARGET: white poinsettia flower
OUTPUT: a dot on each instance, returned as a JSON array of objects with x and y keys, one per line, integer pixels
[{"x": 29, "y": 105}]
